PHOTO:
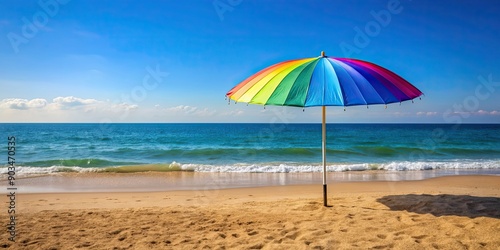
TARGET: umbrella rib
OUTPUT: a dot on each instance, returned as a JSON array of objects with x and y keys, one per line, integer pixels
[
  {"x": 404, "y": 86},
  {"x": 374, "y": 74},
  {"x": 324, "y": 85},
  {"x": 371, "y": 86},
  {"x": 343, "y": 97},
  {"x": 277, "y": 73},
  {"x": 389, "y": 81},
  {"x": 296, "y": 84},
  {"x": 356, "y": 84},
  {"x": 241, "y": 89},
  {"x": 259, "y": 81},
  {"x": 357, "y": 87},
  {"x": 314, "y": 63}
]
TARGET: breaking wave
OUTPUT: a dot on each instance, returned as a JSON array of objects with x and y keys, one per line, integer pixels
[{"x": 261, "y": 168}]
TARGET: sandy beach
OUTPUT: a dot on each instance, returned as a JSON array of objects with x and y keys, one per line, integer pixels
[{"x": 451, "y": 212}]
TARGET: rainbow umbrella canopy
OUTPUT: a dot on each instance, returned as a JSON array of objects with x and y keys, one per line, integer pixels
[{"x": 324, "y": 81}]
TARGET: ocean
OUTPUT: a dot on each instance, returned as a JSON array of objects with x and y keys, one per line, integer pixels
[{"x": 249, "y": 148}]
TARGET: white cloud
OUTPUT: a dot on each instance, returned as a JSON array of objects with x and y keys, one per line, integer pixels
[
  {"x": 65, "y": 109},
  {"x": 183, "y": 109},
  {"x": 484, "y": 112},
  {"x": 124, "y": 106},
  {"x": 23, "y": 104},
  {"x": 427, "y": 113},
  {"x": 479, "y": 112},
  {"x": 71, "y": 101},
  {"x": 65, "y": 103}
]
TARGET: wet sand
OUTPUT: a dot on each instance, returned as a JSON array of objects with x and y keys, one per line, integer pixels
[{"x": 180, "y": 180}]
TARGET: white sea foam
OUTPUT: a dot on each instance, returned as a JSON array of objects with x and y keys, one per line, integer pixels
[
  {"x": 393, "y": 166},
  {"x": 27, "y": 170},
  {"x": 277, "y": 168}
]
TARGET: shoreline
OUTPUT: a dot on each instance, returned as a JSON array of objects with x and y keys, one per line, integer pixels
[
  {"x": 449, "y": 212},
  {"x": 183, "y": 180}
]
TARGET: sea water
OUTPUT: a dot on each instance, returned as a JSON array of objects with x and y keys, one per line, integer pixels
[{"x": 250, "y": 148}]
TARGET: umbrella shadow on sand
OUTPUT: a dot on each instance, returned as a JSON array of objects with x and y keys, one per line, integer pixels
[{"x": 444, "y": 204}]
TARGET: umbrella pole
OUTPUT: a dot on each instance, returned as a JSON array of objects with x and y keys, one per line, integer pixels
[{"x": 323, "y": 128}]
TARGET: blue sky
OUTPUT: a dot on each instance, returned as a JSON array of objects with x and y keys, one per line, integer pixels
[{"x": 173, "y": 61}]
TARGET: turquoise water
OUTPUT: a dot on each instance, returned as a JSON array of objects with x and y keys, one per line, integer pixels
[{"x": 47, "y": 148}]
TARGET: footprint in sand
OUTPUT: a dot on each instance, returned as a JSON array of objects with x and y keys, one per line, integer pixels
[
  {"x": 84, "y": 244},
  {"x": 398, "y": 236},
  {"x": 116, "y": 231},
  {"x": 292, "y": 235},
  {"x": 406, "y": 219},
  {"x": 252, "y": 233},
  {"x": 389, "y": 246},
  {"x": 257, "y": 246},
  {"x": 419, "y": 238}
]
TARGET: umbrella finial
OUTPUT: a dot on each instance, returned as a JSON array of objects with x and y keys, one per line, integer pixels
[{"x": 323, "y": 54}]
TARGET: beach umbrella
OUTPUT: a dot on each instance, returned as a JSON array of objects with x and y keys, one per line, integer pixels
[{"x": 323, "y": 81}]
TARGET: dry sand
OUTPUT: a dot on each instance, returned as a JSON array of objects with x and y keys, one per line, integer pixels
[{"x": 455, "y": 212}]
